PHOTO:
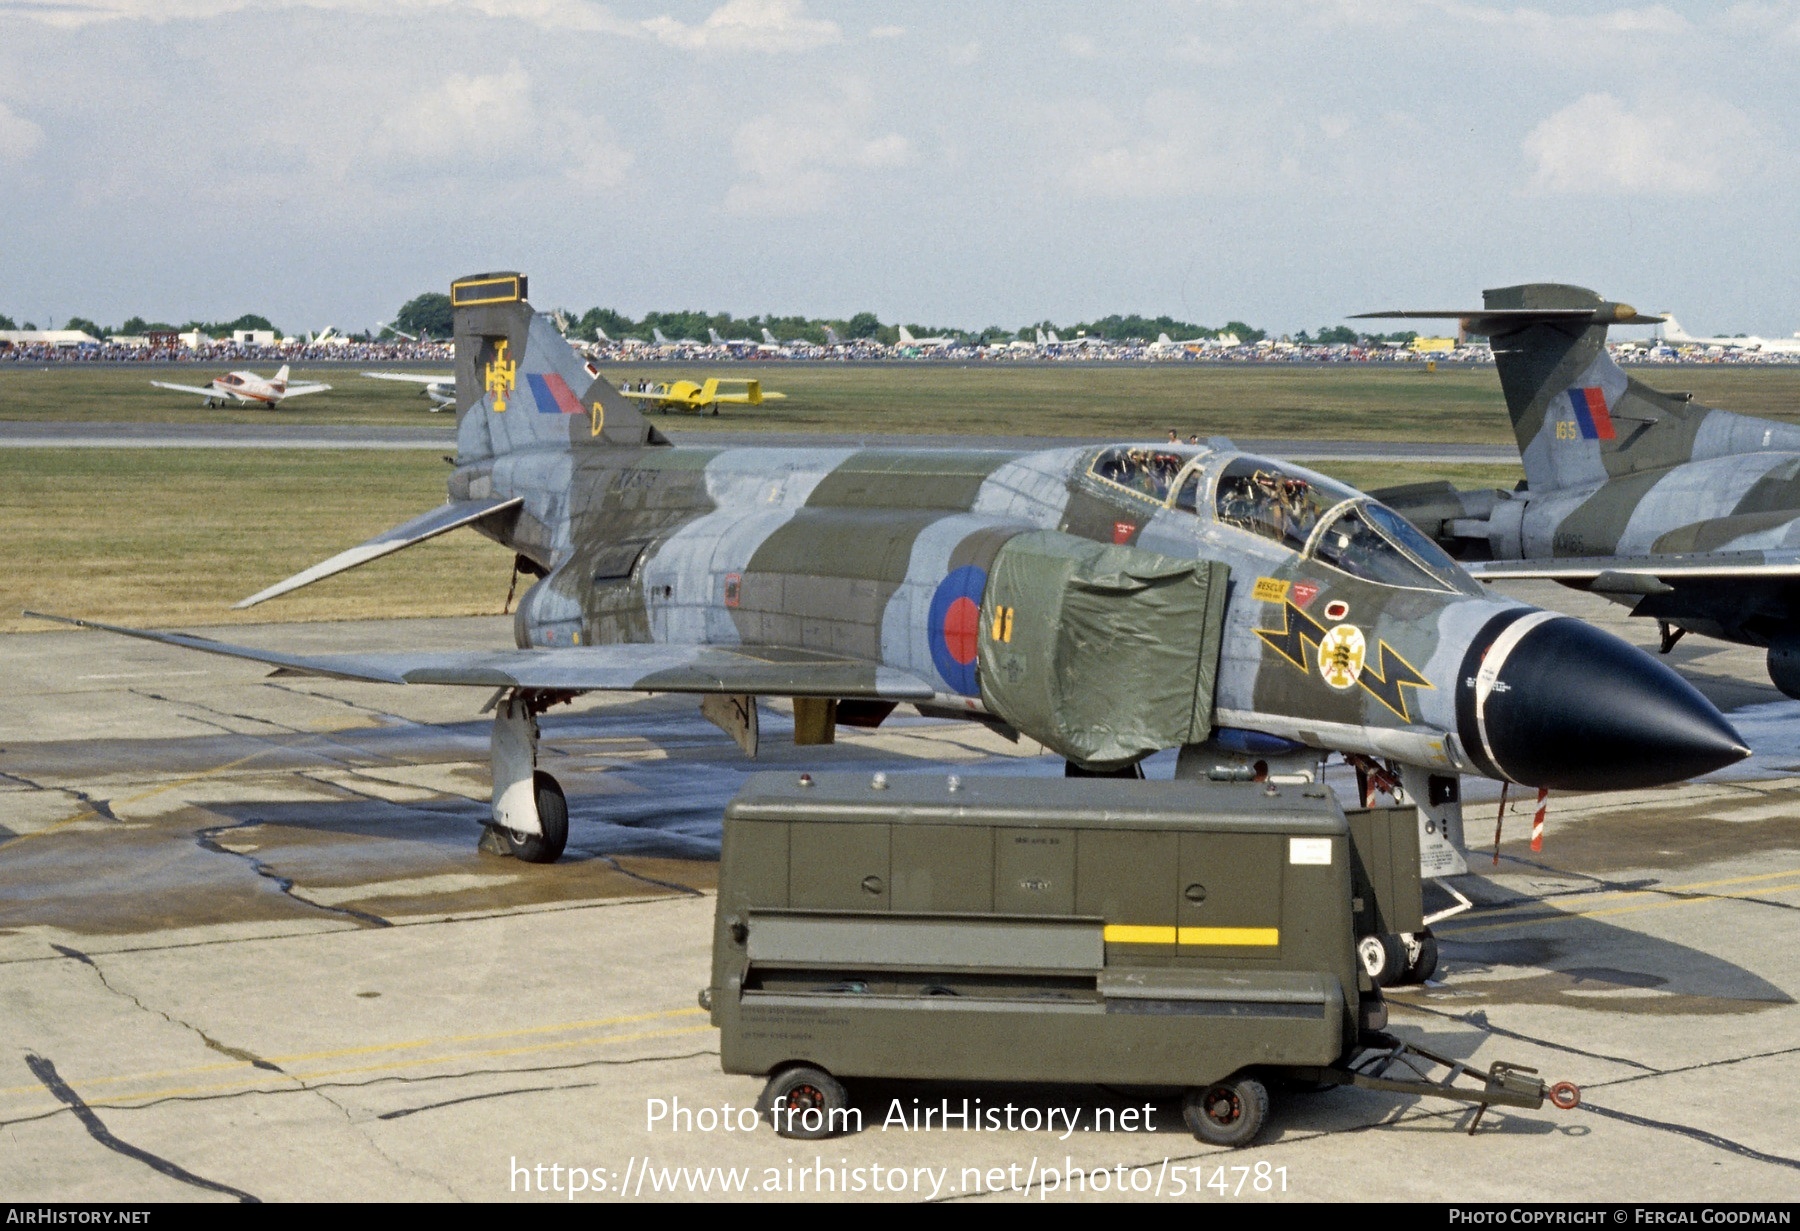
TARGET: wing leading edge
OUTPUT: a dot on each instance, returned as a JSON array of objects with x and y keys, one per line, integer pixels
[{"x": 599, "y": 668}]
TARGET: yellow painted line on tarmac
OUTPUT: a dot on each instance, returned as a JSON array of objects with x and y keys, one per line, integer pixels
[
  {"x": 377, "y": 1048},
  {"x": 1562, "y": 916}
]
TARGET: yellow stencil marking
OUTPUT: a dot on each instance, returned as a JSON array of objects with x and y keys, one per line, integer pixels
[{"x": 1003, "y": 624}]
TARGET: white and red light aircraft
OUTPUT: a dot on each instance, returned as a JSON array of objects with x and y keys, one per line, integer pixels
[{"x": 247, "y": 387}]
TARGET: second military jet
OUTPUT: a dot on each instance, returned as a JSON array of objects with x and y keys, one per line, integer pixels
[{"x": 1687, "y": 514}]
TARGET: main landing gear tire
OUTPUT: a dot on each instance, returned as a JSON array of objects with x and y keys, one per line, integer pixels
[
  {"x": 553, "y": 816},
  {"x": 1383, "y": 958},
  {"x": 1229, "y": 1113},
  {"x": 804, "y": 1103}
]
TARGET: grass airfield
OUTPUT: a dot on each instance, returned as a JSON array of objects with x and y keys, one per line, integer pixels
[{"x": 1335, "y": 402}]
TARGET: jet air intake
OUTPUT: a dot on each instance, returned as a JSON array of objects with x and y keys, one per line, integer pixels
[{"x": 1549, "y": 701}]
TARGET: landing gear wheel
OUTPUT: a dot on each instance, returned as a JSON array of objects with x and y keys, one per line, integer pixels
[
  {"x": 1230, "y": 1113},
  {"x": 553, "y": 816},
  {"x": 1383, "y": 958},
  {"x": 1421, "y": 957},
  {"x": 804, "y": 1103}
]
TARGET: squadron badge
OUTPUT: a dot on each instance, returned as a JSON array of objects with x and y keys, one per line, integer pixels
[{"x": 1341, "y": 654}]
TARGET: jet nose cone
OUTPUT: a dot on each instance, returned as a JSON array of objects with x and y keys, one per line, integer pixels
[{"x": 1554, "y": 702}]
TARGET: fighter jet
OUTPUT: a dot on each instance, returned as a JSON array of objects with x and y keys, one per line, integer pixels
[
  {"x": 1107, "y": 601},
  {"x": 247, "y": 387},
  {"x": 908, "y": 342},
  {"x": 1688, "y": 515}
]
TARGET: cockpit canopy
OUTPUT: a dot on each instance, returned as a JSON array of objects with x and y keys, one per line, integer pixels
[{"x": 1304, "y": 512}]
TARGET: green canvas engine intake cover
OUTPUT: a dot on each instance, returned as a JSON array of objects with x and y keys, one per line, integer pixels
[{"x": 1105, "y": 654}]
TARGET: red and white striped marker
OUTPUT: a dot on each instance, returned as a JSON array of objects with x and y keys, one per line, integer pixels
[{"x": 1537, "y": 823}]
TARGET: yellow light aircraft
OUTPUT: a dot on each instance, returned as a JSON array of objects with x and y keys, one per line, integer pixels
[{"x": 687, "y": 395}]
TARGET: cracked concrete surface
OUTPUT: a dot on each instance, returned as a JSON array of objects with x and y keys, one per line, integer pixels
[{"x": 244, "y": 925}]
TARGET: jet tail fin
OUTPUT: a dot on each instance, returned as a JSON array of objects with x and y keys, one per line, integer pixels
[
  {"x": 520, "y": 385},
  {"x": 281, "y": 376},
  {"x": 1578, "y": 418}
]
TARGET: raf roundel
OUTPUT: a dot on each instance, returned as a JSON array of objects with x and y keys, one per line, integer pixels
[{"x": 955, "y": 627}]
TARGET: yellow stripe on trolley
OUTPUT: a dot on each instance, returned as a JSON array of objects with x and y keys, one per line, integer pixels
[
  {"x": 1261, "y": 937},
  {"x": 1137, "y": 934}
]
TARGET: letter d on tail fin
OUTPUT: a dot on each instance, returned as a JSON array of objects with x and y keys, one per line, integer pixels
[{"x": 521, "y": 386}]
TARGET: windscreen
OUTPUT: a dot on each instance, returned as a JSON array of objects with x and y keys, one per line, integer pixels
[{"x": 1370, "y": 541}]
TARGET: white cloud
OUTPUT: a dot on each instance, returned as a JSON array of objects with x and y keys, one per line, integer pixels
[
  {"x": 748, "y": 25},
  {"x": 458, "y": 119},
  {"x": 794, "y": 165},
  {"x": 1081, "y": 46},
  {"x": 887, "y": 32},
  {"x": 454, "y": 126},
  {"x": 1597, "y": 145},
  {"x": 964, "y": 54},
  {"x": 19, "y": 137}
]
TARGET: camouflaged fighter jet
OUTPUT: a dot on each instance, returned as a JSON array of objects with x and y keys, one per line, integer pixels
[
  {"x": 1107, "y": 601},
  {"x": 1686, "y": 514}
]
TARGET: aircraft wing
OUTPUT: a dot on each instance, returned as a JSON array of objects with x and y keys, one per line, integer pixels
[
  {"x": 294, "y": 391},
  {"x": 205, "y": 393},
  {"x": 407, "y": 376},
  {"x": 744, "y": 399},
  {"x": 597, "y": 668},
  {"x": 1684, "y": 566},
  {"x": 441, "y": 520}
]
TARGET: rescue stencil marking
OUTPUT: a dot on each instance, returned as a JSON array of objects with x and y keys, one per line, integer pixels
[
  {"x": 955, "y": 627},
  {"x": 1395, "y": 673},
  {"x": 1270, "y": 590}
]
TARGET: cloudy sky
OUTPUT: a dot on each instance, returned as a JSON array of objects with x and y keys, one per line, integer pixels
[{"x": 321, "y": 161}]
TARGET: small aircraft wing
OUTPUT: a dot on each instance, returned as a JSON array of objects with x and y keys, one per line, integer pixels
[
  {"x": 408, "y": 376},
  {"x": 441, "y": 520},
  {"x": 205, "y": 393},
  {"x": 1683, "y": 566},
  {"x": 598, "y": 668},
  {"x": 295, "y": 391}
]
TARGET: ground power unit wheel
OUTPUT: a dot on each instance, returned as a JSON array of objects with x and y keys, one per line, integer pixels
[
  {"x": 1229, "y": 1113},
  {"x": 805, "y": 1103},
  {"x": 1383, "y": 958},
  {"x": 553, "y": 816}
]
